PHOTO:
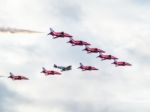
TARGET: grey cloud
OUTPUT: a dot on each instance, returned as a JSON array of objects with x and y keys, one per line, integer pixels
[
  {"x": 141, "y": 2},
  {"x": 109, "y": 83},
  {"x": 141, "y": 58},
  {"x": 9, "y": 99},
  {"x": 68, "y": 11},
  {"x": 5, "y": 95}
]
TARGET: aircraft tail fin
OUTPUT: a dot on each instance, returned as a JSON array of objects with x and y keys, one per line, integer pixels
[
  {"x": 43, "y": 68},
  {"x": 86, "y": 46},
  {"x": 71, "y": 38},
  {"x": 115, "y": 61},
  {"x": 100, "y": 53},
  {"x": 51, "y": 30},
  {"x": 11, "y": 74},
  {"x": 55, "y": 66},
  {"x": 70, "y": 67},
  {"x": 81, "y": 64}
]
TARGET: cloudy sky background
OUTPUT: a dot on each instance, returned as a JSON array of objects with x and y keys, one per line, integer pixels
[{"x": 120, "y": 27}]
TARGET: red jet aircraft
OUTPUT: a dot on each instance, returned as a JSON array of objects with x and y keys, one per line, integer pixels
[
  {"x": 93, "y": 50},
  {"x": 78, "y": 42},
  {"x": 121, "y": 63},
  {"x": 84, "y": 68},
  {"x": 58, "y": 34},
  {"x": 106, "y": 57},
  {"x": 17, "y": 77},
  {"x": 50, "y": 72}
]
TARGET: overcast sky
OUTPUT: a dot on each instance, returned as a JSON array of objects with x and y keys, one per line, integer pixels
[{"x": 120, "y": 27}]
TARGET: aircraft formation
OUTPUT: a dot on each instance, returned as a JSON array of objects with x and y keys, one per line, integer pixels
[
  {"x": 73, "y": 42},
  {"x": 87, "y": 48}
]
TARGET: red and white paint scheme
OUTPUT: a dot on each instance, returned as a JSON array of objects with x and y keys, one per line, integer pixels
[
  {"x": 121, "y": 63},
  {"x": 17, "y": 77},
  {"x": 50, "y": 72},
  {"x": 59, "y": 34},
  {"x": 93, "y": 50},
  {"x": 78, "y": 42},
  {"x": 106, "y": 57},
  {"x": 85, "y": 68}
]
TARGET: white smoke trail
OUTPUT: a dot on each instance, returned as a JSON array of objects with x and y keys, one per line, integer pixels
[
  {"x": 3, "y": 76},
  {"x": 16, "y": 30}
]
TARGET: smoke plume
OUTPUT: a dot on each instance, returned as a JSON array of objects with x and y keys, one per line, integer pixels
[{"x": 16, "y": 30}]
